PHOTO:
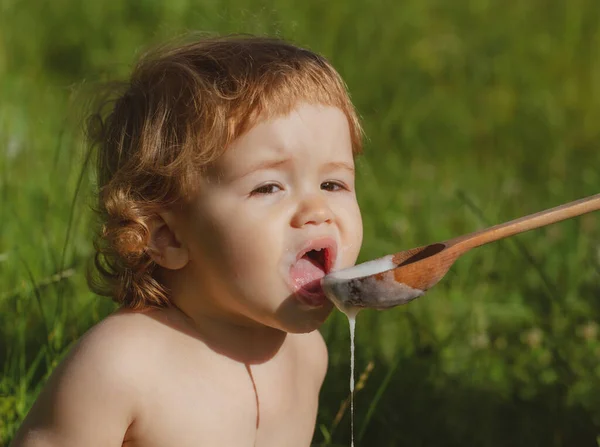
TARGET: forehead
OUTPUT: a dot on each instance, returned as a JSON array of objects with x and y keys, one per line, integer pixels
[{"x": 311, "y": 130}]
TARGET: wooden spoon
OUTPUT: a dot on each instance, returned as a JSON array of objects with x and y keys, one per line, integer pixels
[{"x": 399, "y": 278}]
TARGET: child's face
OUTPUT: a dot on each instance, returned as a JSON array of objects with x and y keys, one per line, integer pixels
[{"x": 281, "y": 189}]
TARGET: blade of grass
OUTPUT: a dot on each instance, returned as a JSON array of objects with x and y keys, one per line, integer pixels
[
  {"x": 28, "y": 378},
  {"x": 82, "y": 172},
  {"x": 36, "y": 293},
  {"x": 42, "y": 284},
  {"x": 380, "y": 390}
]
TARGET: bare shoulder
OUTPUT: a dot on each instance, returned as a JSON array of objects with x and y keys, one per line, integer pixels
[
  {"x": 123, "y": 335},
  {"x": 118, "y": 346},
  {"x": 93, "y": 395}
]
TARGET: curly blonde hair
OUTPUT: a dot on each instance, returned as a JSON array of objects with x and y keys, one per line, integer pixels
[{"x": 181, "y": 108}]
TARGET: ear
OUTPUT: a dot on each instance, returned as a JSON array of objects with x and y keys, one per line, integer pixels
[{"x": 165, "y": 247}]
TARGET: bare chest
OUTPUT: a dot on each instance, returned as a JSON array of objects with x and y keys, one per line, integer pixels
[{"x": 263, "y": 406}]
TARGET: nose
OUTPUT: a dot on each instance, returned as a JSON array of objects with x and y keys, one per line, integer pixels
[{"x": 313, "y": 210}]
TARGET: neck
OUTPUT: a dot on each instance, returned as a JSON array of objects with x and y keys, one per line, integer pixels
[
  {"x": 243, "y": 343},
  {"x": 225, "y": 331}
]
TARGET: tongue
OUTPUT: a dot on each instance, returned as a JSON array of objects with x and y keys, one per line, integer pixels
[{"x": 305, "y": 271}]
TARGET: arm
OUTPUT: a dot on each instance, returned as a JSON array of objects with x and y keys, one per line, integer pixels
[{"x": 88, "y": 401}]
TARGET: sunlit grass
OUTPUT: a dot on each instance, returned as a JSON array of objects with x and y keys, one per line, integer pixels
[{"x": 476, "y": 112}]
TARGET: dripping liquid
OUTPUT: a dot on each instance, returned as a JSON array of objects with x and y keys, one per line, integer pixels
[
  {"x": 351, "y": 314},
  {"x": 352, "y": 322}
]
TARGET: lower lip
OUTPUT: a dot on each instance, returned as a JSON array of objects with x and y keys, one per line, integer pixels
[{"x": 312, "y": 294}]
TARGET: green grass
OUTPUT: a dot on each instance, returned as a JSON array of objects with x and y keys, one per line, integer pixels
[{"x": 476, "y": 111}]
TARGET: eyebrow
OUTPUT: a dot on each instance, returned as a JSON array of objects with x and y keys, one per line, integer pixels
[
  {"x": 273, "y": 164},
  {"x": 267, "y": 164},
  {"x": 339, "y": 165}
]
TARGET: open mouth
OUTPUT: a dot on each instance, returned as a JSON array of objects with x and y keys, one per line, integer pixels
[
  {"x": 319, "y": 258},
  {"x": 313, "y": 262}
]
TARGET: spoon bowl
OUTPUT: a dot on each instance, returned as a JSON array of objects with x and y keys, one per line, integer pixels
[
  {"x": 389, "y": 281},
  {"x": 399, "y": 278}
]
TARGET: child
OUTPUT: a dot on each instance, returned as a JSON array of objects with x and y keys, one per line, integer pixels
[{"x": 226, "y": 191}]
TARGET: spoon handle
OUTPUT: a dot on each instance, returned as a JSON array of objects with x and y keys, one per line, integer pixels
[{"x": 530, "y": 222}]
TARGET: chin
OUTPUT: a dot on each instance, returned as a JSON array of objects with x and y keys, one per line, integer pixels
[{"x": 295, "y": 319}]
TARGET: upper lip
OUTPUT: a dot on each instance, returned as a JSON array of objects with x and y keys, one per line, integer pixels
[{"x": 326, "y": 243}]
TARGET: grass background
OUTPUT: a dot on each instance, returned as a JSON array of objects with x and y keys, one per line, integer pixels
[{"x": 476, "y": 111}]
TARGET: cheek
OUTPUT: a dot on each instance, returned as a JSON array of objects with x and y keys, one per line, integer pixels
[
  {"x": 352, "y": 234},
  {"x": 216, "y": 235},
  {"x": 356, "y": 236},
  {"x": 241, "y": 239},
  {"x": 254, "y": 243}
]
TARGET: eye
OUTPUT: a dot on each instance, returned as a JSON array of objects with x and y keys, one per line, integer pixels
[
  {"x": 333, "y": 186},
  {"x": 269, "y": 188}
]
